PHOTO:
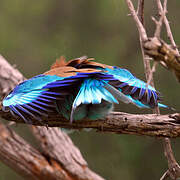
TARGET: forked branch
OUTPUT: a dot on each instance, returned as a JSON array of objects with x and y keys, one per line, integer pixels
[{"x": 166, "y": 54}]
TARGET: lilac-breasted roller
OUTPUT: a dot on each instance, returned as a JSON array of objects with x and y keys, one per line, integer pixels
[{"x": 80, "y": 88}]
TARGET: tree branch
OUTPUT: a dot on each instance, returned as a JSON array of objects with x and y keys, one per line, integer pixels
[
  {"x": 166, "y": 22},
  {"x": 140, "y": 27},
  {"x": 57, "y": 146},
  {"x": 117, "y": 122},
  {"x": 163, "y": 53},
  {"x": 167, "y": 55},
  {"x": 174, "y": 168},
  {"x": 27, "y": 161}
]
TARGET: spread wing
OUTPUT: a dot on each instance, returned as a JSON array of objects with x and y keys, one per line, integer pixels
[
  {"x": 134, "y": 88},
  {"x": 37, "y": 96}
]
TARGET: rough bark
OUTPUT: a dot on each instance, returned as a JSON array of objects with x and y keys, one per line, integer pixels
[
  {"x": 26, "y": 160},
  {"x": 162, "y": 52},
  {"x": 118, "y": 122}
]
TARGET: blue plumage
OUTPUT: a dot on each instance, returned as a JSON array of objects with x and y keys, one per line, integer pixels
[
  {"x": 135, "y": 88},
  {"x": 79, "y": 89},
  {"x": 31, "y": 98}
]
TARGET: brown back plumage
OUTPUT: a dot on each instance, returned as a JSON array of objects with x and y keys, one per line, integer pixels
[
  {"x": 70, "y": 68},
  {"x": 78, "y": 63}
]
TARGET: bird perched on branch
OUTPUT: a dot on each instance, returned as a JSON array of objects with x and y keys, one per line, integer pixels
[{"x": 80, "y": 88}]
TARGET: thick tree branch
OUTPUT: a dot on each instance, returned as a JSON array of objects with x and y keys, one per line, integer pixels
[
  {"x": 27, "y": 161},
  {"x": 9, "y": 77},
  {"x": 117, "y": 122},
  {"x": 162, "y": 52},
  {"x": 58, "y": 146}
]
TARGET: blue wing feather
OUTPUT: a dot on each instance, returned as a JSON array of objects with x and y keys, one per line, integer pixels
[
  {"x": 141, "y": 94},
  {"x": 32, "y": 96},
  {"x": 134, "y": 88},
  {"x": 30, "y": 107},
  {"x": 14, "y": 109},
  {"x": 20, "y": 107}
]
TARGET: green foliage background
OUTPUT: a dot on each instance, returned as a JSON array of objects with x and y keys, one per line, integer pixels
[{"x": 34, "y": 33}]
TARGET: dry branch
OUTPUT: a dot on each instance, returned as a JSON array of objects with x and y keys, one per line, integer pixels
[
  {"x": 174, "y": 168},
  {"x": 166, "y": 55},
  {"x": 161, "y": 51},
  {"x": 26, "y": 160},
  {"x": 57, "y": 146},
  {"x": 117, "y": 122}
]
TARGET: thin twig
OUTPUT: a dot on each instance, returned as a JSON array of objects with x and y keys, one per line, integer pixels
[
  {"x": 159, "y": 23},
  {"x": 151, "y": 73},
  {"x": 162, "y": 14},
  {"x": 174, "y": 168},
  {"x": 165, "y": 175},
  {"x": 141, "y": 29},
  {"x": 140, "y": 12},
  {"x": 147, "y": 66},
  {"x": 157, "y": 34},
  {"x": 166, "y": 22}
]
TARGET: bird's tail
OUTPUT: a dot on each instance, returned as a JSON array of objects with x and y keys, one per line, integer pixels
[{"x": 94, "y": 91}]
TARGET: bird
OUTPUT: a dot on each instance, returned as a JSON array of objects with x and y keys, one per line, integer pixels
[{"x": 77, "y": 89}]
